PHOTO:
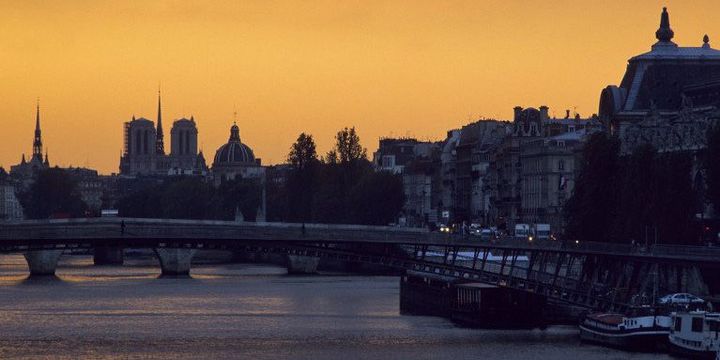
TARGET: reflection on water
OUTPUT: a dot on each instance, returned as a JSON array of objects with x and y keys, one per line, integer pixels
[{"x": 241, "y": 311}]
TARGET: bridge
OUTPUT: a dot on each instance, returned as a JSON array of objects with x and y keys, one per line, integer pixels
[{"x": 592, "y": 275}]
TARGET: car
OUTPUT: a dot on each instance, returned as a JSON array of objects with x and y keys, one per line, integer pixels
[
  {"x": 680, "y": 298},
  {"x": 486, "y": 234},
  {"x": 475, "y": 229}
]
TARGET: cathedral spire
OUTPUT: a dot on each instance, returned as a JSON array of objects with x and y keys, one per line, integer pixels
[
  {"x": 37, "y": 141},
  {"x": 159, "y": 143},
  {"x": 664, "y": 33}
]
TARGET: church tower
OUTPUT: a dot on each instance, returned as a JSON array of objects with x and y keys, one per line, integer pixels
[{"x": 37, "y": 142}]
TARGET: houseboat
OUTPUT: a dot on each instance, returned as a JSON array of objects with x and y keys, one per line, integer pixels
[
  {"x": 641, "y": 329},
  {"x": 695, "y": 334}
]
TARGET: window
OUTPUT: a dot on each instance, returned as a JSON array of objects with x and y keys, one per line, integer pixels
[
  {"x": 697, "y": 324},
  {"x": 388, "y": 161},
  {"x": 561, "y": 165},
  {"x": 678, "y": 323},
  {"x": 713, "y": 326}
]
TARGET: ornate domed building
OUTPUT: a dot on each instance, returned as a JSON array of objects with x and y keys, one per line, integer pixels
[
  {"x": 667, "y": 97},
  {"x": 234, "y": 151},
  {"x": 236, "y": 159}
]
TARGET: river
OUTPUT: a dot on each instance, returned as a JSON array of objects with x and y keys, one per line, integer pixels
[{"x": 244, "y": 311}]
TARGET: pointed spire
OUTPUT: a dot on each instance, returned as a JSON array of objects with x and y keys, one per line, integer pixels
[
  {"x": 37, "y": 141},
  {"x": 23, "y": 159},
  {"x": 37, "y": 115},
  {"x": 159, "y": 143},
  {"x": 47, "y": 162},
  {"x": 664, "y": 33}
]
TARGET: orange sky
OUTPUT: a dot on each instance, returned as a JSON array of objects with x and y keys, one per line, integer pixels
[{"x": 390, "y": 68}]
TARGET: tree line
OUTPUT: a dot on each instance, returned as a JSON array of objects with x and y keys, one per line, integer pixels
[
  {"x": 190, "y": 197},
  {"x": 341, "y": 187},
  {"x": 645, "y": 196}
]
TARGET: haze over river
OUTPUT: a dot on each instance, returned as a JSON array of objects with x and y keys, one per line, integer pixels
[{"x": 242, "y": 311}]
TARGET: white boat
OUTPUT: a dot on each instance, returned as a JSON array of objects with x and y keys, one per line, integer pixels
[
  {"x": 642, "y": 329},
  {"x": 695, "y": 334}
]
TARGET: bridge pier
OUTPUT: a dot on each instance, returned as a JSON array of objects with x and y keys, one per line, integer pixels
[
  {"x": 175, "y": 262},
  {"x": 108, "y": 255},
  {"x": 42, "y": 262},
  {"x": 302, "y": 264}
]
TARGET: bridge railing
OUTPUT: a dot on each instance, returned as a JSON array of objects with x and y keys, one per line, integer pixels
[{"x": 78, "y": 229}]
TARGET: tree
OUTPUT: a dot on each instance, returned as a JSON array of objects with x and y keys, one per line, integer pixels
[
  {"x": 143, "y": 203},
  {"x": 347, "y": 146},
  {"x": 329, "y": 202},
  {"x": 303, "y": 153},
  {"x": 239, "y": 193},
  {"x": 186, "y": 198},
  {"x": 377, "y": 198},
  {"x": 346, "y": 164},
  {"x": 591, "y": 210},
  {"x": 302, "y": 179},
  {"x": 193, "y": 198},
  {"x": 54, "y": 192},
  {"x": 636, "y": 207},
  {"x": 331, "y": 158}
]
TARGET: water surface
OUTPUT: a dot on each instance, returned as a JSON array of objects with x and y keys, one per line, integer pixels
[{"x": 244, "y": 311}]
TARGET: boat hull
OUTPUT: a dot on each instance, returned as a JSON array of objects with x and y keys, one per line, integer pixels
[
  {"x": 651, "y": 339},
  {"x": 691, "y": 353}
]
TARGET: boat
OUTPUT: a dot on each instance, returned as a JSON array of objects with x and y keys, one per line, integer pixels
[
  {"x": 641, "y": 329},
  {"x": 695, "y": 334}
]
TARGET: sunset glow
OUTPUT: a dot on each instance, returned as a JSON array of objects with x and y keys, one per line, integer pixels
[{"x": 397, "y": 68}]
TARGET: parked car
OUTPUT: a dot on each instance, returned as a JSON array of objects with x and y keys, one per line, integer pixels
[
  {"x": 680, "y": 298},
  {"x": 475, "y": 229},
  {"x": 486, "y": 235}
]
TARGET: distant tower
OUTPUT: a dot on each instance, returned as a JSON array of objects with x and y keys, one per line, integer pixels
[
  {"x": 183, "y": 145},
  {"x": 37, "y": 142},
  {"x": 183, "y": 140},
  {"x": 159, "y": 143}
]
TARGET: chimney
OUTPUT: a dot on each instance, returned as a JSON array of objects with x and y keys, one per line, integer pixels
[
  {"x": 518, "y": 112},
  {"x": 543, "y": 113}
]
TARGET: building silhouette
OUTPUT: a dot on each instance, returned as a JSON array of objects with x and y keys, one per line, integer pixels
[
  {"x": 144, "y": 148},
  {"x": 667, "y": 97},
  {"x": 25, "y": 170}
]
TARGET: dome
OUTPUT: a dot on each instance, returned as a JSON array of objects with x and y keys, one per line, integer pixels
[{"x": 234, "y": 152}]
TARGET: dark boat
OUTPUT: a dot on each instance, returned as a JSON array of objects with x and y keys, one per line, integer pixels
[
  {"x": 642, "y": 329},
  {"x": 695, "y": 334}
]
